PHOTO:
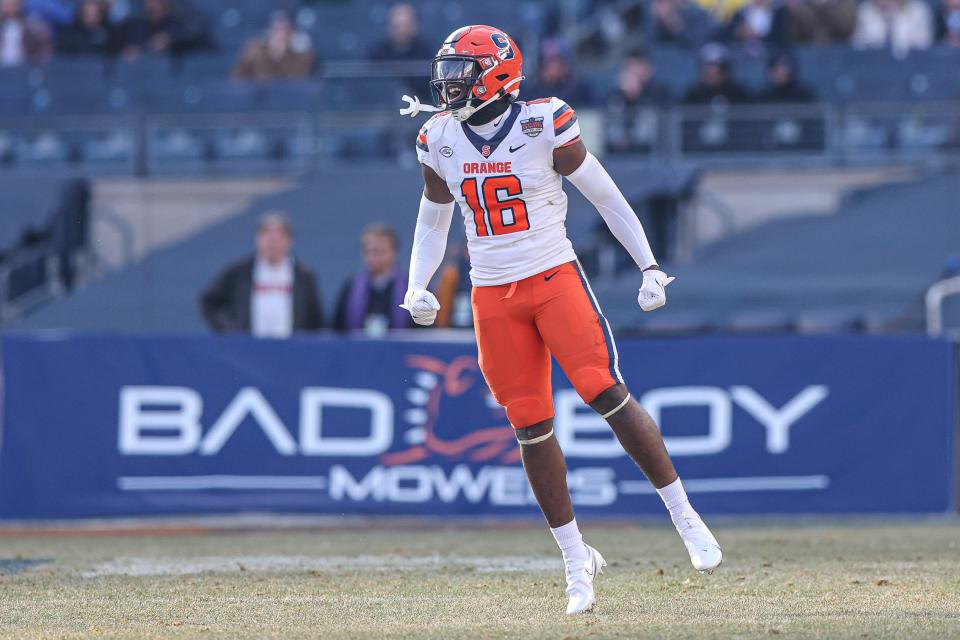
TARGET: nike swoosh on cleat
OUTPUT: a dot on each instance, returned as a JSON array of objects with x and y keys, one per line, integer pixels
[
  {"x": 547, "y": 278},
  {"x": 512, "y": 149}
]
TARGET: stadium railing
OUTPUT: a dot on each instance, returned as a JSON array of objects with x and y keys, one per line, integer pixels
[
  {"x": 293, "y": 141},
  {"x": 28, "y": 278},
  {"x": 935, "y": 298}
]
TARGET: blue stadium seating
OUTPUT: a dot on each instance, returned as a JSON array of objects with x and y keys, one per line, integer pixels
[{"x": 848, "y": 272}]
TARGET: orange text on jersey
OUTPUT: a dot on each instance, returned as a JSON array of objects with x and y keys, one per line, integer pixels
[{"x": 487, "y": 167}]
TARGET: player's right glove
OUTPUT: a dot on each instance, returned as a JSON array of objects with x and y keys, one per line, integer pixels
[
  {"x": 653, "y": 294},
  {"x": 422, "y": 305}
]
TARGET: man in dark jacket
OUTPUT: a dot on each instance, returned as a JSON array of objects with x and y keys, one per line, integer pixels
[
  {"x": 715, "y": 87},
  {"x": 270, "y": 294},
  {"x": 784, "y": 86},
  {"x": 90, "y": 32},
  {"x": 166, "y": 27}
]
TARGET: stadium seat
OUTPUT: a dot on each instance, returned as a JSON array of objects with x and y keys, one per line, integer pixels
[
  {"x": 829, "y": 320},
  {"x": 143, "y": 70},
  {"x": 14, "y": 99},
  {"x": 676, "y": 323},
  {"x": 293, "y": 95},
  {"x": 204, "y": 67},
  {"x": 363, "y": 94},
  {"x": 760, "y": 320}
]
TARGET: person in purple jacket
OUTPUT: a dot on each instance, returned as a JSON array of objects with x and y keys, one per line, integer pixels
[{"x": 370, "y": 300}]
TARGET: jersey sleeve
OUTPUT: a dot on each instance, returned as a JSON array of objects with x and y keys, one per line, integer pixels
[
  {"x": 425, "y": 154},
  {"x": 566, "y": 129}
]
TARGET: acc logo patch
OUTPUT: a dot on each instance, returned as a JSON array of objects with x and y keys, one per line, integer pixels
[
  {"x": 532, "y": 127},
  {"x": 486, "y": 150},
  {"x": 446, "y": 152}
]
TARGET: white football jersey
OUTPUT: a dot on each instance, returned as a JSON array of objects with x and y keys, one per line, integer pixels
[{"x": 513, "y": 205}]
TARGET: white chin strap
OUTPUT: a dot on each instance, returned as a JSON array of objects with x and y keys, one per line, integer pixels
[{"x": 414, "y": 106}]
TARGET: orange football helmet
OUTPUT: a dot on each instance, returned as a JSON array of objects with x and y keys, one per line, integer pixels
[{"x": 475, "y": 66}]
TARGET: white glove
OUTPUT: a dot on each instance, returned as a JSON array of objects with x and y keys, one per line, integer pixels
[
  {"x": 422, "y": 305},
  {"x": 653, "y": 294}
]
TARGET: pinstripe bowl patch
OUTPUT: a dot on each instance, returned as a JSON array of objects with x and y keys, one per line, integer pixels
[{"x": 532, "y": 127}]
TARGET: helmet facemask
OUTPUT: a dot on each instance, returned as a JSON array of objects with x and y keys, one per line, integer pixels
[{"x": 453, "y": 80}]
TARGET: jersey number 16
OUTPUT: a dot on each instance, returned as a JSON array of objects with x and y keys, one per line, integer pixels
[{"x": 502, "y": 211}]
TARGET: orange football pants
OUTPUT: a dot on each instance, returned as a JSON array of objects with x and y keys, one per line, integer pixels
[{"x": 519, "y": 325}]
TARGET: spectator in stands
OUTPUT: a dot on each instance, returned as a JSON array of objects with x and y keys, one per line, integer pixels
[
  {"x": 822, "y": 21},
  {"x": 90, "y": 32},
  {"x": 454, "y": 291},
  {"x": 759, "y": 23},
  {"x": 23, "y": 39},
  {"x": 898, "y": 25},
  {"x": 282, "y": 52},
  {"x": 680, "y": 23},
  {"x": 631, "y": 122},
  {"x": 370, "y": 300},
  {"x": 784, "y": 86},
  {"x": 948, "y": 23},
  {"x": 166, "y": 27},
  {"x": 555, "y": 76},
  {"x": 55, "y": 13},
  {"x": 403, "y": 42},
  {"x": 715, "y": 86},
  {"x": 722, "y": 10},
  {"x": 270, "y": 294}
]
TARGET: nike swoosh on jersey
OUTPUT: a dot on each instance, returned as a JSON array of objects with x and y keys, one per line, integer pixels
[
  {"x": 512, "y": 149},
  {"x": 547, "y": 278}
]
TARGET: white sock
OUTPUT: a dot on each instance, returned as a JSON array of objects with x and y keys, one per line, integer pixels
[
  {"x": 570, "y": 541},
  {"x": 675, "y": 499}
]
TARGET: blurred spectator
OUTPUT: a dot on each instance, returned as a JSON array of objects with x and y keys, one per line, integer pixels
[
  {"x": 631, "y": 121},
  {"x": 270, "y": 294},
  {"x": 783, "y": 84},
  {"x": 898, "y": 25},
  {"x": 722, "y": 10},
  {"x": 166, "y": 27},
  {"x": 555, "y": 76},
  {"x": 948, "y": 23},
  {"x": 715, "y": 86},
  {"x": 90, "y": 32},
  {"x": 453, "y": 293},
  {"x": 822, "y": 21},
  {"x": 371, "y": 299},
  {"x": 681, "y": 23},
  {"x": 282, "y": 52},
  {"x": 761, "y": 22},
  {"x": 23, "y": 39},
  {"x": 403, "y": 40},
  {"x": 55, "y": 13}
]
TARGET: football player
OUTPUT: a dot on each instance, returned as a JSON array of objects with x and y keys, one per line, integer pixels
[{"x": 503, "y": 161}]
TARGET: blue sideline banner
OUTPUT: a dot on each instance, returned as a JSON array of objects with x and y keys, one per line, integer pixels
[{"x": 120, "y": 425}]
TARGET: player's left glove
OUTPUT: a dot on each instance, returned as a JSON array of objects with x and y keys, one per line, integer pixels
[
  {"x": 653, "y": 294},
  {"x": 422, "y": 305}
]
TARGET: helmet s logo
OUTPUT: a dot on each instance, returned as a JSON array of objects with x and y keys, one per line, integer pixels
[
  {"x": 486, "y": 150},
  {"x": 503, "y": 44}
]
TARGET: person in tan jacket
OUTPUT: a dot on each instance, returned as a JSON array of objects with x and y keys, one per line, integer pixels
[{"x": 281, "y": 53}]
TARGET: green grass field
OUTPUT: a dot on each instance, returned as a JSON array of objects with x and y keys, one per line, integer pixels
[{"x": 855, "y": 579}]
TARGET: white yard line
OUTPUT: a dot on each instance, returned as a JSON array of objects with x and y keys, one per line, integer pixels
[{"x": 169, "y": 566}]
